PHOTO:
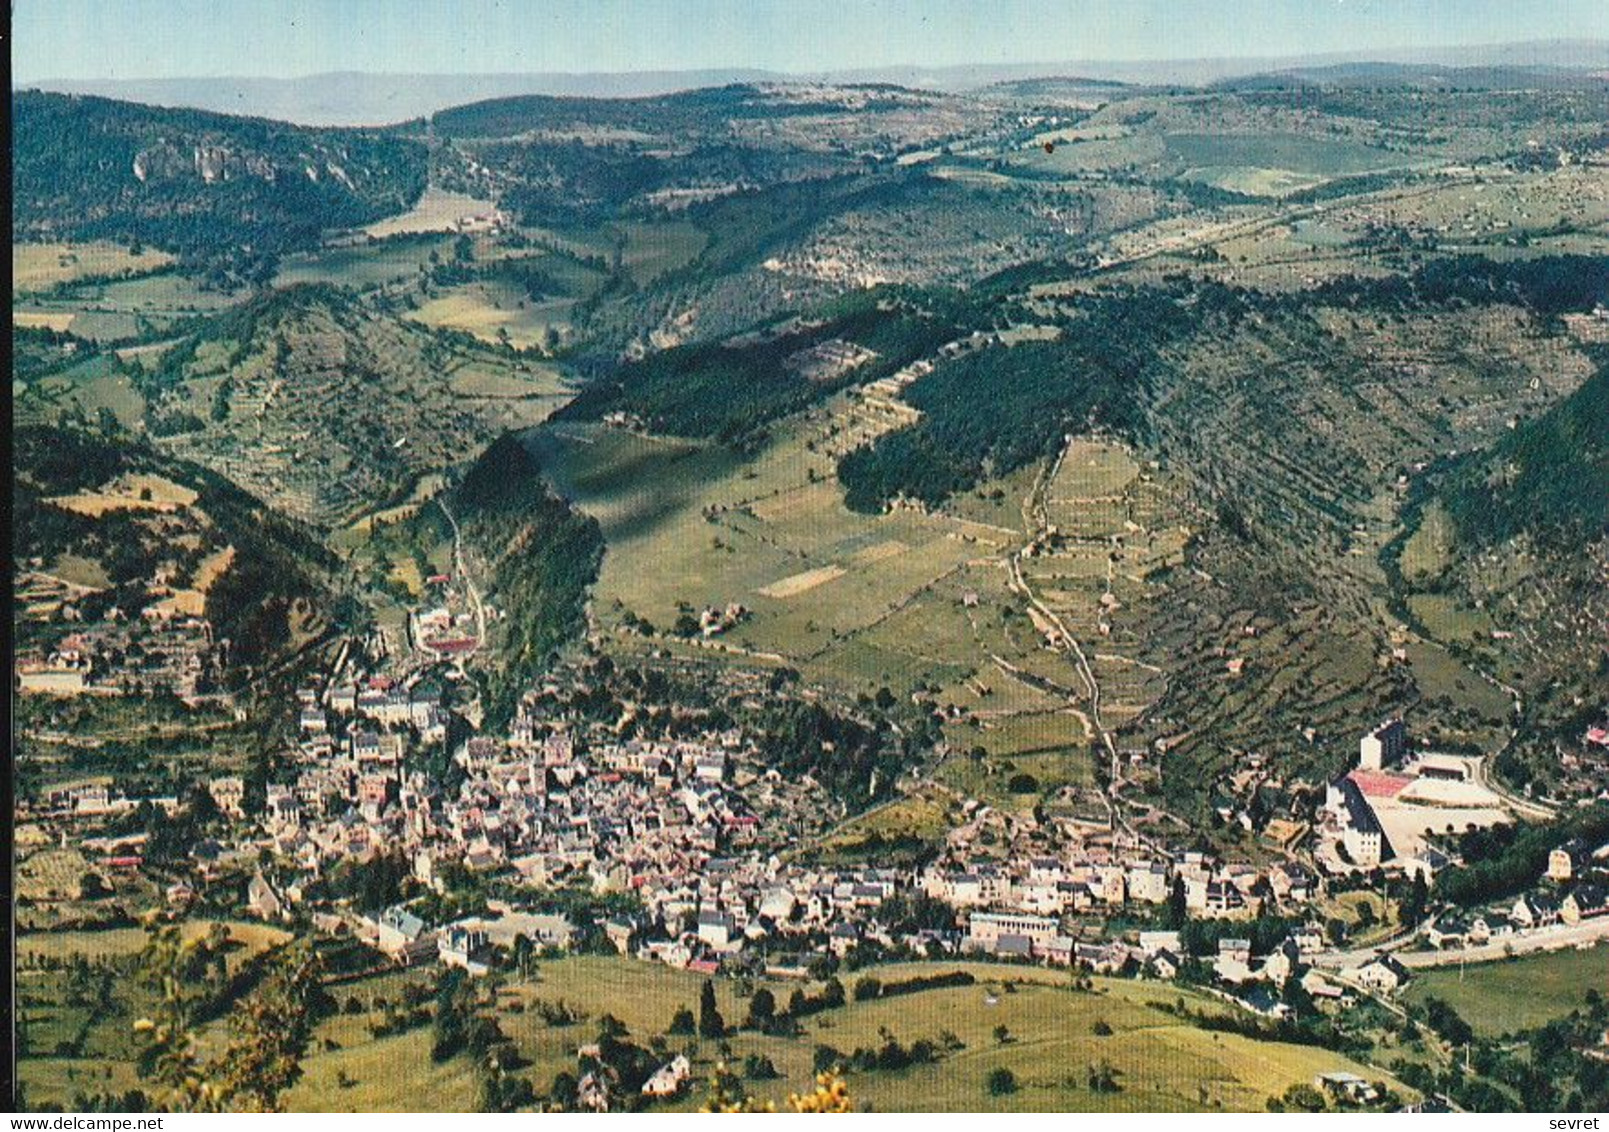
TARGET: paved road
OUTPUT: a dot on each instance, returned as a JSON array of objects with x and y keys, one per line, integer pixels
[{"x": 1555, "y": 938}]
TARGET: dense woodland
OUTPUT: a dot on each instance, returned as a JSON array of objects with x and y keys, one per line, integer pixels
[
  {"x": 542, "y": 556},
  {"x": 206, "y": 185},
  {"x": 1549, "y": 478},
  {"x": 730, "y": 391}
]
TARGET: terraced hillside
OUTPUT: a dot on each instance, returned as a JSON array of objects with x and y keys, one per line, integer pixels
[
  {"x": 326, "y": 407},
  {"x": 1505, "y": 562}
]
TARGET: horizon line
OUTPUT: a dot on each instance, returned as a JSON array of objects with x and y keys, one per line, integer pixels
[{"x": 1359, "y": 55}]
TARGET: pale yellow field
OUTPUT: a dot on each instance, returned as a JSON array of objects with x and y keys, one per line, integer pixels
[
  {"x": 879, "y": 551},
  {"x": 182, "y": 603},
  {"x": 491, "y": 311},
  {"x": 796, "y": 584},
  {"x": 48, "y": 320},
  {"x": 129, "y": 494},
  {"x": 213, "y": 567},
  {"x": 35, "y": 266},
  {"x": 437, "y": 211}
]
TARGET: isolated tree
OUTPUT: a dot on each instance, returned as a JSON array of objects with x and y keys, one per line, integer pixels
[
  {"x": 1412, "y": 908},
  {"x": 710, "y": 1022},
  {"x": 762, "y": 1009}
]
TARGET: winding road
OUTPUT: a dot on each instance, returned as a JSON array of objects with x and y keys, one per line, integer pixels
[
  {"x": 1036, "y": 519},
  {"x": 463, "y": 571}
]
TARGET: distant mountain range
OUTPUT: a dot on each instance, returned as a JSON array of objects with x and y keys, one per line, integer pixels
[{"x": 352, "y": 99}]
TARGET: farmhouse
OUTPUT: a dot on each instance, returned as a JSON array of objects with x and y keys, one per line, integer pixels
[
  {"x": 1586, "y": 902},
  {"x": 1347, "y": 1087},
  {"x": 668, "y": 1079},
  {"x": 402, "y": 936},
  {"x": 1382, "y": 973}
]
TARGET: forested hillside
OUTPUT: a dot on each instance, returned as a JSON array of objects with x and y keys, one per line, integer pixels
[
  {"x": 130, "y": 525},
  {"x": 1548, "y": 479},
  {"x": 540, "y": 557},
  {"x": 730, "y": 390},
  {"x": 206, "y": 185}
]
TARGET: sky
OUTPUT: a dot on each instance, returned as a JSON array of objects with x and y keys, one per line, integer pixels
[{"x": 145, "y": 39}]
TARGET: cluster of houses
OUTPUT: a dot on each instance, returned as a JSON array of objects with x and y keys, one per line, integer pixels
[
  {"x": 175, "y": 655},
  {"x": 559, "y": 802},
  {"x": 676, "y": 823},
  {"x": 446, "y": 629},
  {"x": 1574, "y": 889},
  {"x": 1255, "y": 979}
]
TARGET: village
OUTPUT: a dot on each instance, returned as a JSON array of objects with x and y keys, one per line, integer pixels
[{"x": 683, "y": 852}]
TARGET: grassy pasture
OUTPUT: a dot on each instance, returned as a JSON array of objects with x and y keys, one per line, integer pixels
[
  {"x": 122, "y": 308},
  {"x": 651, "y": 250},
  {"x": 691, "y": 525},
  {"x": 249, "y": 938},
  {"x": 43, "y": 320},
  {"x": 492, "y": 310},
  {"x": 1162, "y": 1062},
  {"x": 1300, "y": 157},
  {"x": 90, "y": 386},
  {"x": 1429, "y": 550},
  {"x": 363, "y": 266},
  {"x": 1519, "y": 993},
  {"x": 1447, "y": 619},
  {"x": 924, "y": 816}
]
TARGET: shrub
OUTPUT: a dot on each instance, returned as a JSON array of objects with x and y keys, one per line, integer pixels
[{"x": 1000, "y": 1082}]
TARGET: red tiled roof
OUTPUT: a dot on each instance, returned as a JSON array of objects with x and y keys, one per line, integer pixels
[
  {"x": 1376, "y": 784},
  {"x": 463, "y": 644}
]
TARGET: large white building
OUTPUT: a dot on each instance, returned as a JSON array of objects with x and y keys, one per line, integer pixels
[
  {"x": 1384, "y": 746},
  {"x": 1361, "y": 834}
]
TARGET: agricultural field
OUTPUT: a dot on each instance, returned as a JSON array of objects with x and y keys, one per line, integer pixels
[
  {"x": 395, "y": 262},
  {"x": 86, "y": 387},
  {"x": 437, "y": 210},
  {"x": 120, "y": 308},
  {"x": 79, "y": 995},
  {"x": 773, "y": 535},
  {"x": 39, "y": 267},
  {"x": 1275, "y": 164},
  {"x": 649, "y": 251},
  {"x": 497, "y": 312}
]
